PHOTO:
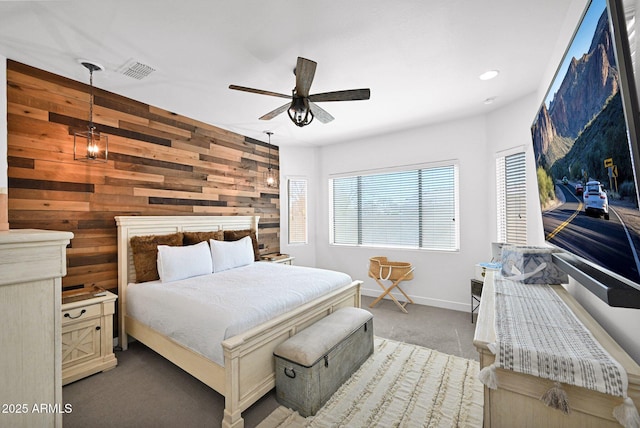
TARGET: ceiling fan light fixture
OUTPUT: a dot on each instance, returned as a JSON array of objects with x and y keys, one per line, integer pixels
[
  {"x": 303, "y": 107},
  {"x": 299, "y": 111}
]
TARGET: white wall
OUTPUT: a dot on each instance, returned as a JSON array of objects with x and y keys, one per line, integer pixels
[
  {"x": 441, "y": 278},
  {"x": 509, "y": 131},
  {"x": 510, "y": 126},
  {"x": 300, "y": 162},
  {"x": 507, "y": 128}
]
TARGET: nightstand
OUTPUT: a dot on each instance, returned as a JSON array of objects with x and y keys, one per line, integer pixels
[
  {"x": 87, "y": 335},
  {"x": 284, "y": 259}
]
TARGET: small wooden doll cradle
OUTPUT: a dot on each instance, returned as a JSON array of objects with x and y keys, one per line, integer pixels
[{"x": 380, "y": 269}]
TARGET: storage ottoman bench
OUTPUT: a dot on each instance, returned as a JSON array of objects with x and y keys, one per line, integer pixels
[{"x": 311, "y": 365}]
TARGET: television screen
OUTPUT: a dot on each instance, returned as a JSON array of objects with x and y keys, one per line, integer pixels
[{"x": 585, "y": 150}]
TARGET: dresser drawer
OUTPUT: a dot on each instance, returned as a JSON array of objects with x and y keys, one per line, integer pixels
[{"x": 81, "y": 313}]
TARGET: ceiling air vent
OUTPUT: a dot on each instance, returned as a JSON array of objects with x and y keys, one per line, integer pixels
[{"x": 136, "y": 70}]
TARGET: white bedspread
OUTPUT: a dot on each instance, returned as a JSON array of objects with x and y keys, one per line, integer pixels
[{"x": 201, "y": 312}]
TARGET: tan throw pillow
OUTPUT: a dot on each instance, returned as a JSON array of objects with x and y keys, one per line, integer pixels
[
  {"x": 192, "y": 238},
  {"x": 234, "y": 235},
  {"x": 145, "y": 253}
]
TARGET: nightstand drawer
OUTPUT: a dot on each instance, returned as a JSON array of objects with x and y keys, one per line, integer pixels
[
  {"x": 81, "y": 313},
  {"x": 80, "y": 342}
]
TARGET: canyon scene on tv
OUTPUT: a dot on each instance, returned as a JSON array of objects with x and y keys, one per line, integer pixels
[{"x": 582, "y": 151}]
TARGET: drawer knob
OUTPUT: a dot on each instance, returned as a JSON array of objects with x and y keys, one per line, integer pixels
[
  {"x": 68, "y": 315},
  {"x": 97, "y": 328}
]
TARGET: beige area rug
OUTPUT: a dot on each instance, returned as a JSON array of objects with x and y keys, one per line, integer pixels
[{"x": 400, "y": 385}]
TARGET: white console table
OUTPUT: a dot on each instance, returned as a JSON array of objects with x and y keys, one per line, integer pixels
[
  {"x": 516, "y": 401},
  {"x": 32, "y": 264}
]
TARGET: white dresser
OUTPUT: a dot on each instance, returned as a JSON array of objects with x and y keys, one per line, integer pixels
[
  {"x": 516, "y": 402},
  {"x": 32, "y": 264}
]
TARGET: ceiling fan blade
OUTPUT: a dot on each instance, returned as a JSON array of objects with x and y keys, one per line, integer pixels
[
  {"x": 348, "y": 95},
  {"x": 274, "y": 113},
  {"x": 258, "y": 91},
  {"x": 305, "y": 70},
  {"x": 319, "y": 113}
]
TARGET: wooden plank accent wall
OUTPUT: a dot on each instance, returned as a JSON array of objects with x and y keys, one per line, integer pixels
[{"x": 160, "y": 163}]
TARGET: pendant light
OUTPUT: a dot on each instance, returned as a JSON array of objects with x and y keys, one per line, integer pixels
[
  {"x": 270, "y": 176},
  {"x": 90, "y": 145}
]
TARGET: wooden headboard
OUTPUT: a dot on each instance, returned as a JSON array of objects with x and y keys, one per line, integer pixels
[{"x": 129, "y": 226}]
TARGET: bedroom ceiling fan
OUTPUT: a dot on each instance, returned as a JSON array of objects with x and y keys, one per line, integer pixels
[{"x": 303, "y": 107}]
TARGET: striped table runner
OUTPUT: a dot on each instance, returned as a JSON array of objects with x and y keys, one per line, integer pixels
[{"x": 539, "y": 335}]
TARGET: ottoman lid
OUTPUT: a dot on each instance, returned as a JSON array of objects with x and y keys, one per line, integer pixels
[{"x": 314, "y": 342}]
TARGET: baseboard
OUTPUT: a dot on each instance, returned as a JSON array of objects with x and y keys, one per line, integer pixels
[{"x": 445, "y": 304}]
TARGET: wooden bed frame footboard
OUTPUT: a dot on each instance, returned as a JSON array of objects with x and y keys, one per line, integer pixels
[
  {"x": 248, "y": 357},
  {"x": 249, "y": 368},
  {"x": 248, "y": 371}
]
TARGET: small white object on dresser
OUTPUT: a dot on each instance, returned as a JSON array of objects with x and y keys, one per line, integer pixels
[{"x": 87, "y": 336}]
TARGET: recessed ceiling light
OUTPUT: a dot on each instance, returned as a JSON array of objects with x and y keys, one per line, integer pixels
[{"x": 487, "y": 75}]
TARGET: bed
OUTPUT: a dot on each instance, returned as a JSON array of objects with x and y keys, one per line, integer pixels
[{"x": 247, "y": 369}]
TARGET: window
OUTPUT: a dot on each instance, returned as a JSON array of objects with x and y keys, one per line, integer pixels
[
  {"x": 511, "y": 199},
  {"x": 415, "y": 208},
  {"x": 297, "y": 211}
]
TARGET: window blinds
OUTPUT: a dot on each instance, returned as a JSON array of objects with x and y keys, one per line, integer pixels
[
  {"x": 511, "y": 198},
  {"x": 408, "y": 209},
  {"x": 297, "y": 211}
]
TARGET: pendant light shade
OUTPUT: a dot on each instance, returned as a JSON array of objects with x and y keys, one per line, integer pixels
[
  {"x": 90, "y": 145},
  {"x": 270, "y": 175}
]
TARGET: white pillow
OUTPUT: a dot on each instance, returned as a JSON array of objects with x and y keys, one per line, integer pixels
[
  {"x": 176, "y": 263},
  {"x": 231, "y": 254}
]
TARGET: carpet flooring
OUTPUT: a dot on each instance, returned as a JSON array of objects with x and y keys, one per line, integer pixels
[
  {"x": 146, "y": 390},
  {"x": 400, "y": 385}
]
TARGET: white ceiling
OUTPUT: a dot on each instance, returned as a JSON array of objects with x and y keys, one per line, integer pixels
[{"x": 421, "y": 58}]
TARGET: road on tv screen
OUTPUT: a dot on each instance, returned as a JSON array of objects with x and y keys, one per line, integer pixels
[{"x": 605, "y": 242}]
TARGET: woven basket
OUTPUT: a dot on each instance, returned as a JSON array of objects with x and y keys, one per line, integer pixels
[{"x": 381, "y": 268}]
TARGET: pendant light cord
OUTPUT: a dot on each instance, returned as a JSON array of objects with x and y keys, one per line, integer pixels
[
  {"x": 91, "y": 127},
  {"x": 269, "y": 134}
]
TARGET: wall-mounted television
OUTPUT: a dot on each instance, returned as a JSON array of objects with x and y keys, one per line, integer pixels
[{"x": 585, "y": 143}]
